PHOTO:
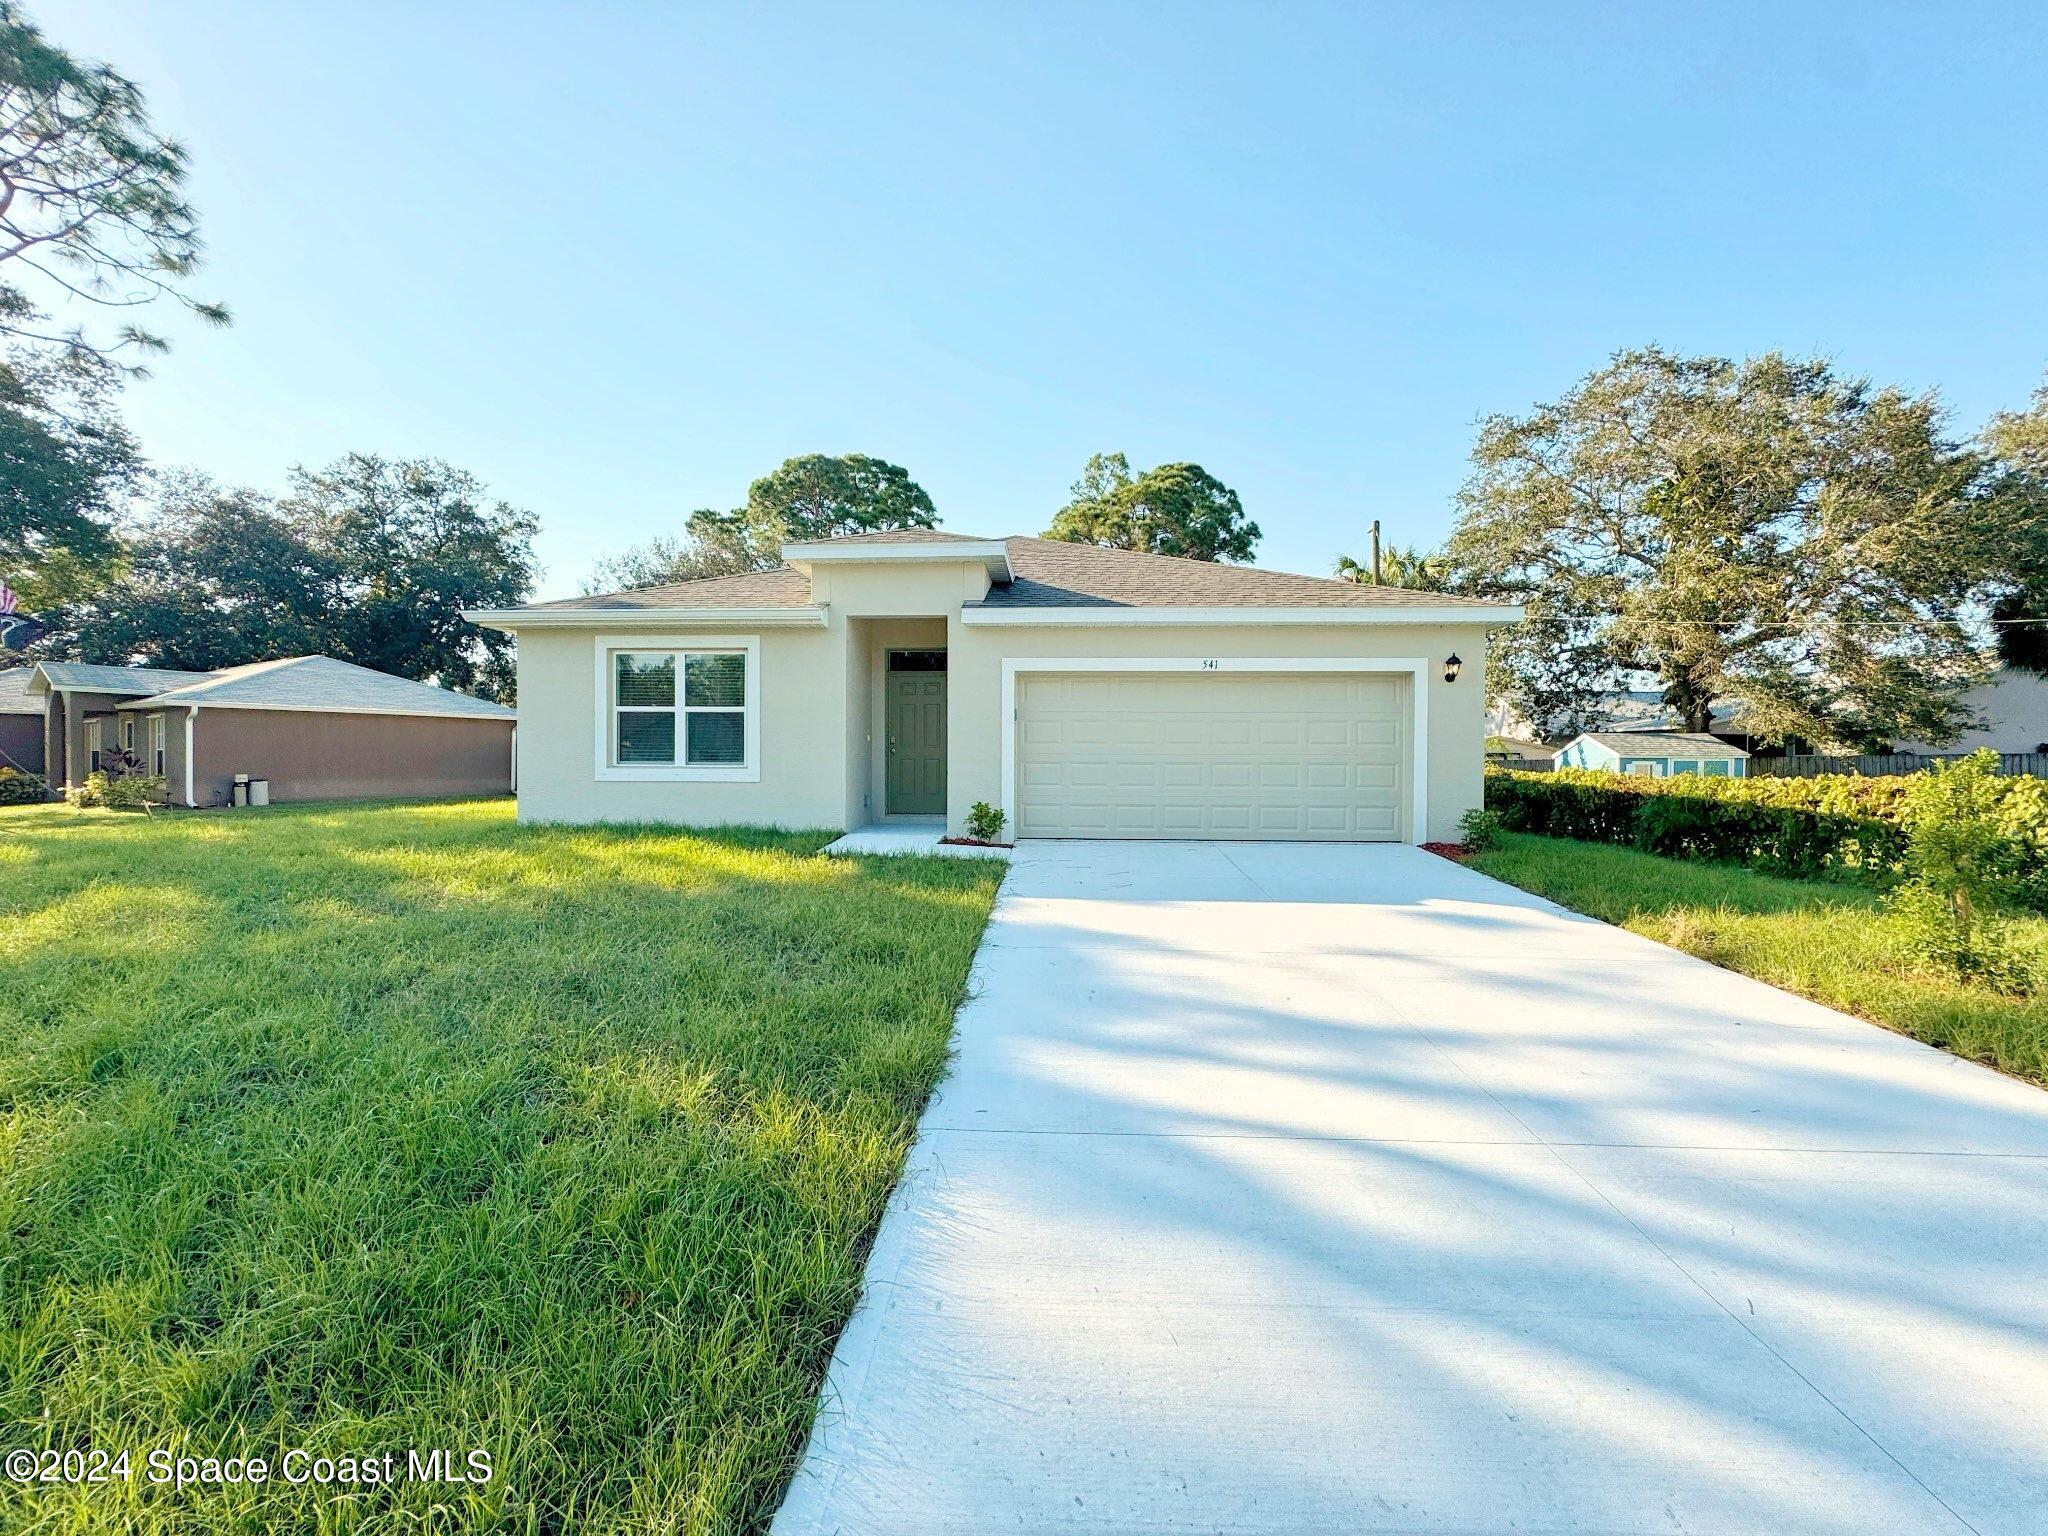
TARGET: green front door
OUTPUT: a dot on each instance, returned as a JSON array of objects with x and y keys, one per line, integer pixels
[{"x": 916, "y": 724}]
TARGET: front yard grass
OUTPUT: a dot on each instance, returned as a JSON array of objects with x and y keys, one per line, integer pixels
[
  {"x": 360, "y": 1129},
  {"x": 1816, "y": 938}
]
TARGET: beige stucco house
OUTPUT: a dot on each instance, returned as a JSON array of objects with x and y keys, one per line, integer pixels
[{"x": 1087, "y": 692}]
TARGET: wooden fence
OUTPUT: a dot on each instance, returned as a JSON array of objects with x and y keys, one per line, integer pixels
[{"x": 1885, "y": 765}]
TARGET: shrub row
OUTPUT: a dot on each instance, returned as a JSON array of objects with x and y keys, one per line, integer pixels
[
  {"x": 1829, "y": 824},
  {"x": 118, "y": 791}
]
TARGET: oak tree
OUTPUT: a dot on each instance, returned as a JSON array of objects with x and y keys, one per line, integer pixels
[{"x": 1766, "y": 531}]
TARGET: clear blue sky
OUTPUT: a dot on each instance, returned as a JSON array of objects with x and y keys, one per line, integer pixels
[{"x": 620, "y": 259}]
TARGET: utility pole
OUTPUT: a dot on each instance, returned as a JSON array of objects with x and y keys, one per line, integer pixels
[{"x": 1375, "y": 551}]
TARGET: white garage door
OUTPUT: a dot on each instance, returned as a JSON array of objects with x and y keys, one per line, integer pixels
[{"x": 1316, "y": 755}]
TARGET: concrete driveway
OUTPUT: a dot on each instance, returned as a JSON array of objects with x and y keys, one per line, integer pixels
[{"x": 1338, "y": 1189}]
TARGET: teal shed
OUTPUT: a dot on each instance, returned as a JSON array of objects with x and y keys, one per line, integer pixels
[{"x": 1653, "y": 754}]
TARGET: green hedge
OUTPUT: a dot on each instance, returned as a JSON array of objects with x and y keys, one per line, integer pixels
[
  {"x": 18, "y": 788},
  {"x": 1826, "y": 825}
]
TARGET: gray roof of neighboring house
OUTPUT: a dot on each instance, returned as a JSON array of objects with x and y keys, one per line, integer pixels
[
  {"x": 15, "y": 699},
  {"x": 1660, "y": 744},
  {"x": 129, "y": 680},
  {"x": 1049, "y": 574},
  {"x": 317, "y": 684}
]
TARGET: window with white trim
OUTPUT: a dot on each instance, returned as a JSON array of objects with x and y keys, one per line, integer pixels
[
  {"x": 156, "y": 744},
  {"x": 679, "y": 709}
]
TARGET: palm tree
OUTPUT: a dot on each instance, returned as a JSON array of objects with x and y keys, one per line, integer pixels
[{"x": 1399, "y": 568}]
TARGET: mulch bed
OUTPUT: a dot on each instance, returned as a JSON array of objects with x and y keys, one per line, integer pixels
[{"x": 1457, "y": 853}]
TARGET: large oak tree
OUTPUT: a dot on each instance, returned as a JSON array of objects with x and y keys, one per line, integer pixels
[
  {"x": 1767, "y": 531},
  {"x": 370, "y": 560}
]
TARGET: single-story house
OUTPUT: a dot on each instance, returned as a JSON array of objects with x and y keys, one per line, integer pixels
[
  {"x": 1654, "y": 754},
  {"x": 315, "y": 727},
  {"x": 1086, "y": 692},
  {"x": 21, "y": 722}
]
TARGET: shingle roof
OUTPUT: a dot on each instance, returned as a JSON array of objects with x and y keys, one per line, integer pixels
[
  {"x": 1053, "y": 574},
  {"x": 783, "y": 587},
  {"x": 1661, "y": 744},
  {"x": 1048, "y": 574},
  {"x": 906, "y": 536},
  {"x": 15, "y": 699},
  {"x": 321, "y": 683},
  {"x": 133, "y": 681}
]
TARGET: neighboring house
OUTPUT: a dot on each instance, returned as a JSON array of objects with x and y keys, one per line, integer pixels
[
  {"x": 316, "y": 728},
  {"x": 1654, "y": 754},
  {"x": 2013, "y": 710},
  {"x": 1087, "y": 692},
  {"x": 21, "y": 721}
]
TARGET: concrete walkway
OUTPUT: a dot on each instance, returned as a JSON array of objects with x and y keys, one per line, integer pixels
[{"x": 1338, "y": 1189}]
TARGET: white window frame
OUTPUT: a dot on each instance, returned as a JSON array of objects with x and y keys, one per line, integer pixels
[
  {"x": 746, "y": 771},
  {"x": 157, "y": 758},
  {"x": 1645, "y": 768}
]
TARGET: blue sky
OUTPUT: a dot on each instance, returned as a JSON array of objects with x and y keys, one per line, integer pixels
[{"x": 620, "y": 259}]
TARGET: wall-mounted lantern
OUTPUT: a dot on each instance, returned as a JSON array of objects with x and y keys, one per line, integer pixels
[{"x": 1452, "y": 667}]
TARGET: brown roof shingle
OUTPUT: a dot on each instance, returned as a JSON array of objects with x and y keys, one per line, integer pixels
[
  {"x": 1048, "y": 574},
  {"x": 782, "y": 587},
  {"x": 1052, "y": 574}
]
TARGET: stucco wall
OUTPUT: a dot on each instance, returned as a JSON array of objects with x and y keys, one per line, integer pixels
[
  {"x": 74, "y": 732},
  {"x": 1457, "y": 711},
  {"x": 803, "y": 708},
  {"x": 820, "y": 702},
  {"x": 313, "y": 756},
  {"x": 2014, "y": 709}
]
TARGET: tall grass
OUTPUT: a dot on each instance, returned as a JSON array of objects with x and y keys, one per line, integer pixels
[{"x": 371, "y": 1128}]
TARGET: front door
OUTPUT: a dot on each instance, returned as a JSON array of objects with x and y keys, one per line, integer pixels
[{"x": 916, "y": 725}]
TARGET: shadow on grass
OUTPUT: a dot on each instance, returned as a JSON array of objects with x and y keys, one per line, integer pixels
[{"x": 377, "y": 1126}]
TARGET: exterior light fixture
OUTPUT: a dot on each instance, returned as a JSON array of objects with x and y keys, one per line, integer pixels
[{"x": 1452, "y": 667}]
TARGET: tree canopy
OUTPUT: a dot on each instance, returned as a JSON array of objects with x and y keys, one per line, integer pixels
[
  {"x": 369, "y": 560},
  {"x": 66, "y": 466},
  {"x": 812, "y": 496},
  {"x": 1767, "y": 531},
  {"x": 668, "y": 558},
  {"x": 1175, "y": 509},
  {"x": 1399, "y": 567},
  {"x": 92, "y": 200},
  {"x": 2017, "y": 442}
]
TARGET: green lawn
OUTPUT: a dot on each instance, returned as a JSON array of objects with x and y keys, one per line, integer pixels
[
  {"x": 369, "y": 1128},
  {"x": 1816, "y": 938}
]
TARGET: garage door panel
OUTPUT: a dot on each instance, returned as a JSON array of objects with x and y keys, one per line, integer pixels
[{"x": 1244, "y": 755}]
